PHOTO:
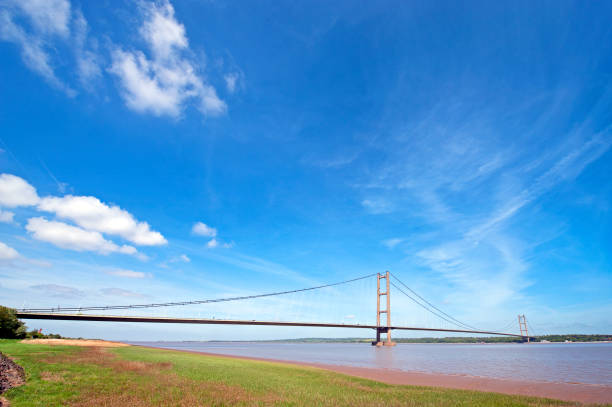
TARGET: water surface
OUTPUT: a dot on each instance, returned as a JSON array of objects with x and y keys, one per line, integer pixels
[{"x": 563, "y": 362}]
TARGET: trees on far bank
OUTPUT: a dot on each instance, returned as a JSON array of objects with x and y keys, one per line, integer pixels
[{"x": 10, "y": 326}]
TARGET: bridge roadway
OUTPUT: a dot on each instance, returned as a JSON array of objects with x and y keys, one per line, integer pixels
[{"x": 165, "y": 320}]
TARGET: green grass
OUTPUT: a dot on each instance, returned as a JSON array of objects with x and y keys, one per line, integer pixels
[{"x": 133, "y": 376}]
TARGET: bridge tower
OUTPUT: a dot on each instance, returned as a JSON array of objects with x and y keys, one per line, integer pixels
[
  {"x": 523, "y": 326},
  {"x": 379, "y": 328}
]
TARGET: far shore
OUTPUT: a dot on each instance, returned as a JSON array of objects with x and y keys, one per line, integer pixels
[{"x": 580, "y": 392}]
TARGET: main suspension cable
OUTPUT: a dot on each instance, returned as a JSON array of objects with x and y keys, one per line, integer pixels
[
  {"x": 173, "y": 304},
  {"x": 431, "y": 311},
  {"x": 433, "y": 306}
]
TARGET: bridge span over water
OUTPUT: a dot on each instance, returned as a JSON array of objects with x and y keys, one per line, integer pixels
[{"x": 381, "y": 326}]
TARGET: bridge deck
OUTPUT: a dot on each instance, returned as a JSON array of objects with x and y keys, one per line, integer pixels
[{"x": 163, "y": 320}]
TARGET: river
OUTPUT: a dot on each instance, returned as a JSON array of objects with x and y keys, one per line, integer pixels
[{"x": 589, "y": 363}]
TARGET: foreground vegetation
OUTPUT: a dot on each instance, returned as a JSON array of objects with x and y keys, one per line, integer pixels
[{"x": 133, "y": 376}]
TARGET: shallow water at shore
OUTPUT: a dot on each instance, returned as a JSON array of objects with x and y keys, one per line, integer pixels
[{"x": 589, "y": 363}]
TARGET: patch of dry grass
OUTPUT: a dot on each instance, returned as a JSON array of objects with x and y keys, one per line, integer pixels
[
  {"x": 51, "y": 376},
  {"x": 152, "y": 383},
  {"x": 75, "y": 342}
]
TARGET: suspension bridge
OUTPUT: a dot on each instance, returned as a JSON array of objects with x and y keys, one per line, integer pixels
[{"x": 382, "y": 326}]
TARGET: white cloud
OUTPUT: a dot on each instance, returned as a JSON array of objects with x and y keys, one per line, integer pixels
[
  {"x": 73, "y": 238},
  {"x": 6, "y": 216},
  {"x": 33, "y": 50},
  {"x": 92, "y": 214},
  {"x": 202, "y": 229},
  {"x": 88, "y": 62},
  {"x": 162, "y": 84},
  {"x": 50, "y": 27},
  {"x": 213, "y": 243},
  {"x": 47, "y": 16},
  {"x": 15, "y": 191},
  {"x": 127, "y": 273},
  {"x": 7, "y": 252},
  {"x": 162, "y": 32},
  {"x": 185, "y": 258},
  {"x": 232, "y": 80}
]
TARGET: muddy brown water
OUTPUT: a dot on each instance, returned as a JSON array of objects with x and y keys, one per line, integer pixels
[{"x": 589, "y": 363}]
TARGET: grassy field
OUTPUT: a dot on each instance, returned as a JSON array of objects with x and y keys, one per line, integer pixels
[{"x": 132, "y": 376}]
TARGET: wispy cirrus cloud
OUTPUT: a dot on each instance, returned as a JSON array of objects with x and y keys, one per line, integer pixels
[
  {"x": 49, "y": 20},
  {"x": 59, "y": 291},
  {"x": 127, "y": 273},
  {"x": 456, "y": 173}
]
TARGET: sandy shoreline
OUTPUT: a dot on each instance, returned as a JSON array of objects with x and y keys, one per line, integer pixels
[
  {"x": 580, "y": 392},
  {"x": 77, "y": 342}
]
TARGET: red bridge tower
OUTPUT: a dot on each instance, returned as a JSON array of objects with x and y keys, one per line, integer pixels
[{"x": 383, "y": 329}]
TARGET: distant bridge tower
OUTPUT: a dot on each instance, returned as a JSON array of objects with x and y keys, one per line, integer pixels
[
  {"x": 523, "y": 326},
  {"x": 383, "y": 329}
]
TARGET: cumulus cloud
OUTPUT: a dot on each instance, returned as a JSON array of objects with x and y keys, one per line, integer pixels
[
  {"x": 201, "y": 229},
  {"x": 127, "y": 273},
  {"x": 163, "y": 83},
  {"x": 92, "y": 214},
  {"x": 73, "y": 238},
  {"x": 15, "y": 191},
  {"x": 213, "y": 243},
  {"x": 7, "y": 252},
  {"x": 6, "y": 216}
]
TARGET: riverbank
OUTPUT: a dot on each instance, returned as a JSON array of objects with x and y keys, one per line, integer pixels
[
  {"x": 579, "y": 392},
  {"x": 60, "y": 375}
]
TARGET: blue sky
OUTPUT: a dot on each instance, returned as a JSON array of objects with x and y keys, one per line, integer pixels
[{"x": 160, "y": 151}]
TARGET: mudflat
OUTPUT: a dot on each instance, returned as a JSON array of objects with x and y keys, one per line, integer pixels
[{"x": 584, "y": 393}]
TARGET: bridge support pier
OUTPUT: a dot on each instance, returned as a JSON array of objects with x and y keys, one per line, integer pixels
[
  {"x": 383, "y": 329},
  {"x": 378, "y": 342}
]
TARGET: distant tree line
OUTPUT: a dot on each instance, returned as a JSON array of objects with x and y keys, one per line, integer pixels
[
  {"x": 466, "y": 339},
  {"x": 12, "y": 328}
]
